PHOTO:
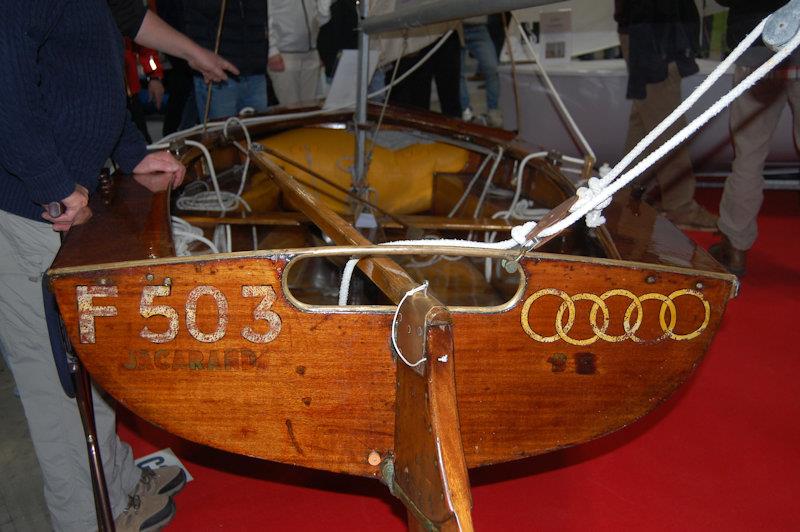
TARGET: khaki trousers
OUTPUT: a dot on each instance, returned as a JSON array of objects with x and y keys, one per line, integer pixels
[
  {"x": 299, "y": 81},
  {"x": 673, "y": 174},
  {"x": 26, "y": 250},
  {"x": 754, "y": 117}
]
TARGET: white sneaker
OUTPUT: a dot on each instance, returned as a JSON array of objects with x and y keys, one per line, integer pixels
[
  {"x": 495, "y": 118},
  {"x": 467, "y": 115}
]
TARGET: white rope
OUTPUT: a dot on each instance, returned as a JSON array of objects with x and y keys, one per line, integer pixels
[
  {"x": 238, "y": 122},
  {"x": 184, "y": 233},
  {"x": 420, "y": 288},
  {"x": 600, "y": 194},
  {"x": 686, "y": 104},
  {"x": 219, "y": 200},
  {"x": 518, "y": 238}
]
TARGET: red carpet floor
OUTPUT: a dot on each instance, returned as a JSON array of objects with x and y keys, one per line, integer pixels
[{"x": 722, "y": 454}]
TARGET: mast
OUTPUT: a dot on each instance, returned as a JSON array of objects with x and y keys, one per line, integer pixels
[{"x": 359, "y": 170}]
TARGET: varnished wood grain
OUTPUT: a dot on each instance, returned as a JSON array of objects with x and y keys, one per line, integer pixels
[
  {"x": 430, "y": 472},
  {"x": 332, "y": 375}
]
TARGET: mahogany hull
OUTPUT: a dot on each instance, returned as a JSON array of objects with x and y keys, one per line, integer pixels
[{"x": 245, "y": 371}]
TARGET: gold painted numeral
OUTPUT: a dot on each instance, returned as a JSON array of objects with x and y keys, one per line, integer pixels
[
  {"x": 262, "y": 312},
  {"x": 147, "y": 310}
]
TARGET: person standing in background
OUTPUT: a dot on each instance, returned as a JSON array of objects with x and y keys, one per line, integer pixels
[
  {"x": 444, "y": 66},
  {"x": 754, "y": 118},
  {"x": 63, "y": 106},
  {"x": 180, "y": 111},
  {"x": 142, "y": 62},
  {"x": 243, "y": 42},
  {"x": 659, "y": 42},
  {"x": 294, "y": 65},
  {"x": 478, "y": 43}
]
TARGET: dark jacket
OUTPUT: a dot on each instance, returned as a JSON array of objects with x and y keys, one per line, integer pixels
[
  {"x": 244, "y": 31},
  {"x": 661, "y": 32},
  {"x": 62, "y": 101},
  {"x": 338, "y": 34},
  {"x": 744, "y": 15}
]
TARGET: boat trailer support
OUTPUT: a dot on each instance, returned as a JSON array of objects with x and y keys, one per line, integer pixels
[{"x": 428, "y": 471}]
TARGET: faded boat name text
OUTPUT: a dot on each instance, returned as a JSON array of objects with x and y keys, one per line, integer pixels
[{"x": 195, "y": 359}]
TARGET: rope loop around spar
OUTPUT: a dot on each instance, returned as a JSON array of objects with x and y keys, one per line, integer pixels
[{"x": 421, "y": 288}]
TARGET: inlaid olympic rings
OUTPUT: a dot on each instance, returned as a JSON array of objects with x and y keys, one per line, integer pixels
[{"x": 599, "y": 303}]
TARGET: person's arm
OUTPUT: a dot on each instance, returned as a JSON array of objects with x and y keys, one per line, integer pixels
[
  {"x": 27, "y": 140},
  {"x": 157, "y": 34},
  {"x": 323, "y": 11},
  {"x": 130, "y": 153},
  {"x": 274, "y": 59}
]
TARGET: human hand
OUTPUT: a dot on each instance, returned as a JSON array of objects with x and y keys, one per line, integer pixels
[
  {"x": 162, "y": 161},
  {"x": 156, "y": 91},
  {"x": 77, "y": 210},
  {"x": 210, "y": 65},
  {"x": 275, "y": 63}
]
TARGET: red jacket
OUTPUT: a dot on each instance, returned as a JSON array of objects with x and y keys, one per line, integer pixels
[{"x": 140, "y": 57}]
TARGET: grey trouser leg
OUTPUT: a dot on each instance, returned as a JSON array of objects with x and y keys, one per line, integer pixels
[
  {"x": 754, "y": 117},
  {"x": 26, "y": 250},
  {"x": 674, "y": 174}
]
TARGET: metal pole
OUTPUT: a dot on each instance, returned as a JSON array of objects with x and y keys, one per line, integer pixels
[
  {"x": 359, "y": 171},
  {"x": 434, "y": 11}
]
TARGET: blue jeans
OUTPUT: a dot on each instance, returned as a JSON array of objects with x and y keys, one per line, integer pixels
[
  {"x": 481, "y": 47},
  {"x": 232, "y": 95}
]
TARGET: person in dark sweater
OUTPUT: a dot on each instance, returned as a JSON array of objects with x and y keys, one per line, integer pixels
[
  {"x": 658, "y": 40},
  {"x": 754, "y": 117},
  {"x": 62, "y": 106},
  {"x": 243, "y": 41}
]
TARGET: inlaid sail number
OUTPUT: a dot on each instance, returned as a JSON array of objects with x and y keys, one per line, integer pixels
[{"x": 89, "y": 309}]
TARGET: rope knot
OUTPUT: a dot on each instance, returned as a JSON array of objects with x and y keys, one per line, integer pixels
[
  {"x": 520, "y": 233},
  {"x": 588, "y": 196}
]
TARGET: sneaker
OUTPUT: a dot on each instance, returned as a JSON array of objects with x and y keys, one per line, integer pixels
[
  {"x": 145, "y": 514},
  {"x": 694, "y": 217},
  {"x": 495, "y": 118},
  {"x": 467, "y": 115},
  {"x": 167, "y": 481}
]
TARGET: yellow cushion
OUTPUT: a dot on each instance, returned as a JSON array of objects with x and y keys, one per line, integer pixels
[{"x": 402, "y": 179}]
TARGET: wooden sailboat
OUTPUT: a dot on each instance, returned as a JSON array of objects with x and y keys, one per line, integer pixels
[
  {"x": 436, "y": 358},
  {"x": 249, "y": 352}
]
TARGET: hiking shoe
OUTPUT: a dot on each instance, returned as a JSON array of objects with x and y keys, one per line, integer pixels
[
  {"x": 734, "y": 260},
  {"x": 693, "y": 217},
  {"x": 145, "y": 514},
  {"x": 167, "y": 481}
]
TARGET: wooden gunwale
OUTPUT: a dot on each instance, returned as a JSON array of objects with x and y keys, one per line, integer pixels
[{"x": 291, "y": 254}]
